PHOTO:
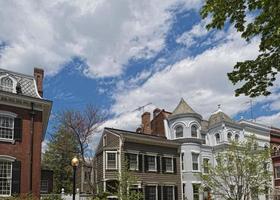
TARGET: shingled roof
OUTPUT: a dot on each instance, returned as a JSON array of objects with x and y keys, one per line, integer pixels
[
  {"x": 27, "y": 83},
  {"x": 218, "y": 117},
  {"x": 182, "y": 108}
]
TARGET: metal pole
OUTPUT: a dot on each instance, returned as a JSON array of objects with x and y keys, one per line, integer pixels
[{"x": 74, "y": 182}]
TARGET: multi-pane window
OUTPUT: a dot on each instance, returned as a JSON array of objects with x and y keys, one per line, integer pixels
[
  {"x": 195, "y": 191},
  {"x": 151, "y": 163},
  {"x": 5, "y": 177},
  {"x": 169, "y": 164},
  {"x": 229, "y": 136},
  {"x": 179, "y": 131},
  {"x": 194, "y": 131},
  {"x": 169, "y": 193},
  {"x": 111, "y": 160},
  {"x": 195, "y": 161},
  {"x": 7, "y": 84},
  {"x": 218, "y": 139},
  {"x": 44, "y": 186},
  {"x": 6, "y": 127},
  {"x": 277, "y": 171},
  {"x": 133, "y": 161},
  {"x": 206, "y": 165},
  {"x": 151, "y": 193}
]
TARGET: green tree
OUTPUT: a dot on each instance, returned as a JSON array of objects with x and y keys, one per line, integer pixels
[
  {"x": 255, "y": 76},
  {"x": 241, "y": 172},
  {"x": 60, "y": 150}
]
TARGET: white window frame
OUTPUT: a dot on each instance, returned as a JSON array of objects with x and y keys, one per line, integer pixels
[
  {"x": 13, "y": 80},
  {"x": 197, "y": 135},
  {"x": 203, "y": 165},
  {"x": 197, "y": 153},
  {"x": 179, "y": 125},
  {"x": 155, "y": 158},
  {"x": 137, "y": 162},
  {"x": 10, "y": 160},
  {"x": 116, "y": 162},
  {"x": 156, "y": 188},
  {"x": 217, "y": 142},
  {"x": 44, "y": 191},
  {"x": 172, "y": 164},
  {"x": 9, "y": 115}
]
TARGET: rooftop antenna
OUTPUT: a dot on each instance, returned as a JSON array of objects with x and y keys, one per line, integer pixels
[{"x": 141, "y": 107}]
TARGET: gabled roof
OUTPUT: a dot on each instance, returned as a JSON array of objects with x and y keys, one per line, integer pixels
[
  {"x": 182, "y": 108},
  {"x": 218, "y": 117},
  {"x": 27, "y": 83}
]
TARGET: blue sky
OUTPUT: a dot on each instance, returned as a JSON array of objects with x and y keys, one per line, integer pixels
[{"x": 120, "y": 55}]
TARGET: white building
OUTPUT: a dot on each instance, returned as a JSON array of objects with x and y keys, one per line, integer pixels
[{"x": 201, "y": 139}]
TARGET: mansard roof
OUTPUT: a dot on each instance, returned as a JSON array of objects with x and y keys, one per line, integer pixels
[
  {"x": 218, "y": 117},
  {"x": 27, "y": 83}
]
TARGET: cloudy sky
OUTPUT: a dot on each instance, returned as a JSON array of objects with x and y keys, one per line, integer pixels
[{"x": 121, "y": 55}]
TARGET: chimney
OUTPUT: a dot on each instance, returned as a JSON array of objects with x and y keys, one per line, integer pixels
[
  {"x": 146, "y": 122},
  {"x": 156, "y": 112},
  {"x": 39, "y": 76}
]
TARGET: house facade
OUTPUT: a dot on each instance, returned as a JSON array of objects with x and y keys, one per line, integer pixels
[
  {"x": 202, "y": 139},
  {"x": 153, "y": 160},
  {"x": 275, "y": 155},
  {"x": 24, "y": 115}
]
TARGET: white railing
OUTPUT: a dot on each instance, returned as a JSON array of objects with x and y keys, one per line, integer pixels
[{"x": 64, "y": 196}]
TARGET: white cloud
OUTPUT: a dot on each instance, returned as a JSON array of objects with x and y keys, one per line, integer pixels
[
  {"x": 270, "y": 120},
  {"x": 106, "y": 34}
]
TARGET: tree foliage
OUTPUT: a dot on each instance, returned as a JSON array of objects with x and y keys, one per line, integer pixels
[
  {"x": 256, "y": 76},
  {"x": 241, "y": 171},
  {"x": 61, "y": 148}
]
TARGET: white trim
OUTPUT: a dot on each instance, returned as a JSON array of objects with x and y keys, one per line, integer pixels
[
  {"x": 36, "y": 88},
  {"x": 155, "y": 158},
  {"x": 153, "y": 184},
  {"x": 169, "y": 171},
  {"x": 116, "y": 160},
  {"x": 13, "y": 80},
  {"x": 137, "y": 162},
  {"x": 8, "y": 114},
  {"x": 8, "y": 158}
]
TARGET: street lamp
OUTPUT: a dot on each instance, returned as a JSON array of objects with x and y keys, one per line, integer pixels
[{"x": 74, "y": 163}]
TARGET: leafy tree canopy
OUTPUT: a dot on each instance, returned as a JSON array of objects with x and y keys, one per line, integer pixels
[{"x": 256, "y": 76}]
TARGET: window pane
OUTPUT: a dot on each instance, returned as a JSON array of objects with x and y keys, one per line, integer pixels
[
  {"x": 195, "y": 191},
  {"x": 194, "y": 131},
  {"x": 7, "y": 84},
  {"x": 217, "y": 138},
  {"x": 169, "y": 164},
  {"x": 205, "y": 165},
  {"x": 133, "y": 161},
  {"x": 111, "y": 161},
  {"x": 5, "y": 177},
  {"x": 6, "y": 127},
  {"x": 151, "y": 163},
  {"x": 151, "y": 193},
  {"x": 195, "y": 161},
  {"x": 182, "y": 160},
  {"x": 277, "y": 172},
  {"x": 169, "y": 192},
  {"x": 179, "y": 131}
]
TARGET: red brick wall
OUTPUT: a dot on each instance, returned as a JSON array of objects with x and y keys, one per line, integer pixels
[
  {"x": 157, "y": 125},
  {"x": 21, "y": 150}
]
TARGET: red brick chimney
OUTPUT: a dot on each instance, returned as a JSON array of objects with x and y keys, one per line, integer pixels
[
  {"x": 39, "y": 76},
  {"x": 146, "y": 123}
]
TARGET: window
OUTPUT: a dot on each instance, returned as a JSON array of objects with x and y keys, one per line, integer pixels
[
  {"x": 218, "y": 139},
  {"x": 179, "y": 131},
  {"x": 87, "y": 176},
  {"x": 195, "y": 191},
  {"x": 151, "y": 193},
  {"x": 168, "y": 193},
  {"x": 206, "y": 165},
  {"x": 236, "y": 137},
  {"x": 169, "y": 164},
  {"x": 6, "y": 127},
  {"x": 203, "y": 137},
  {"x": 194, "y": 131},
  {"x": 7, "y": 84},
  {"x": 151, "y": 163},
  {"x": 112, "y": 186},
  {"x": 195, "y": 161},
  {"x": 111, "y": 160},
  {"x": 133, "y": 161},
  {"x": 5, "y": 178},
  {"x": 182, "y": 160},
  {"x": 44, "y": 186},
  {"x": 184, "y": 190},
  {"x": 229, "y": 136},
  {"x": 277, "y": 171}
]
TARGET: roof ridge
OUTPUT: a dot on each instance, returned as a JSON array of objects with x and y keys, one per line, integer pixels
[{"x": 133, "y": 132}]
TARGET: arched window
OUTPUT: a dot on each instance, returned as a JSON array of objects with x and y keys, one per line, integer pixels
[
  {"x": 194, "y": 131},
  {"x": 7, "y": 84},
  {"x": 229, "y": 136},
  {"x": 179, "y": 131},
  {"x": 218, "y": 139},
  {"x": 236, "y": 137}
]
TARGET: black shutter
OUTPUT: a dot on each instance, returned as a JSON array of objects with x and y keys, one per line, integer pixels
[
  {"x": 140, "y": 162},
  {"x": 18, "y": 129},
  {"x": 146, "y": 163},
  {"x": 147, "y": 191},
  {"x": 159, "y": 192},
  {"x": 158, "y": 164},
  {"x": 174, "y": 165},
  {"x": 163, "y": 165},
  {"x": 127, "y": 160},
  {"x": 16, "y": 177},
  {"x": 176, "y": 192}
]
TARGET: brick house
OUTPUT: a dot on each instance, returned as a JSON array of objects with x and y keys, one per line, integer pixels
[
  {"x": 153, "y": 160},
  {"x": 24, "y": 116},
  {"x": 275, "y": 155}
]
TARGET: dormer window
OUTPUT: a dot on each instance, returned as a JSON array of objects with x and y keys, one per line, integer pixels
[
  {"x": 7, "y": 84},
  {"x": 218, "y": 139},
  {"x": 194, "y": 131},
  {"x": 229, "y": 136},
  {"x": 179, "y": 131}
]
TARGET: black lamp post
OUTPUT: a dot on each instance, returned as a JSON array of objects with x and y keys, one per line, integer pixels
[{"x": 74, "y": 163}]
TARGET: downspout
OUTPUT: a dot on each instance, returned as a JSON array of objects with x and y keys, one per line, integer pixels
[{"x": 32, "y": 115}]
